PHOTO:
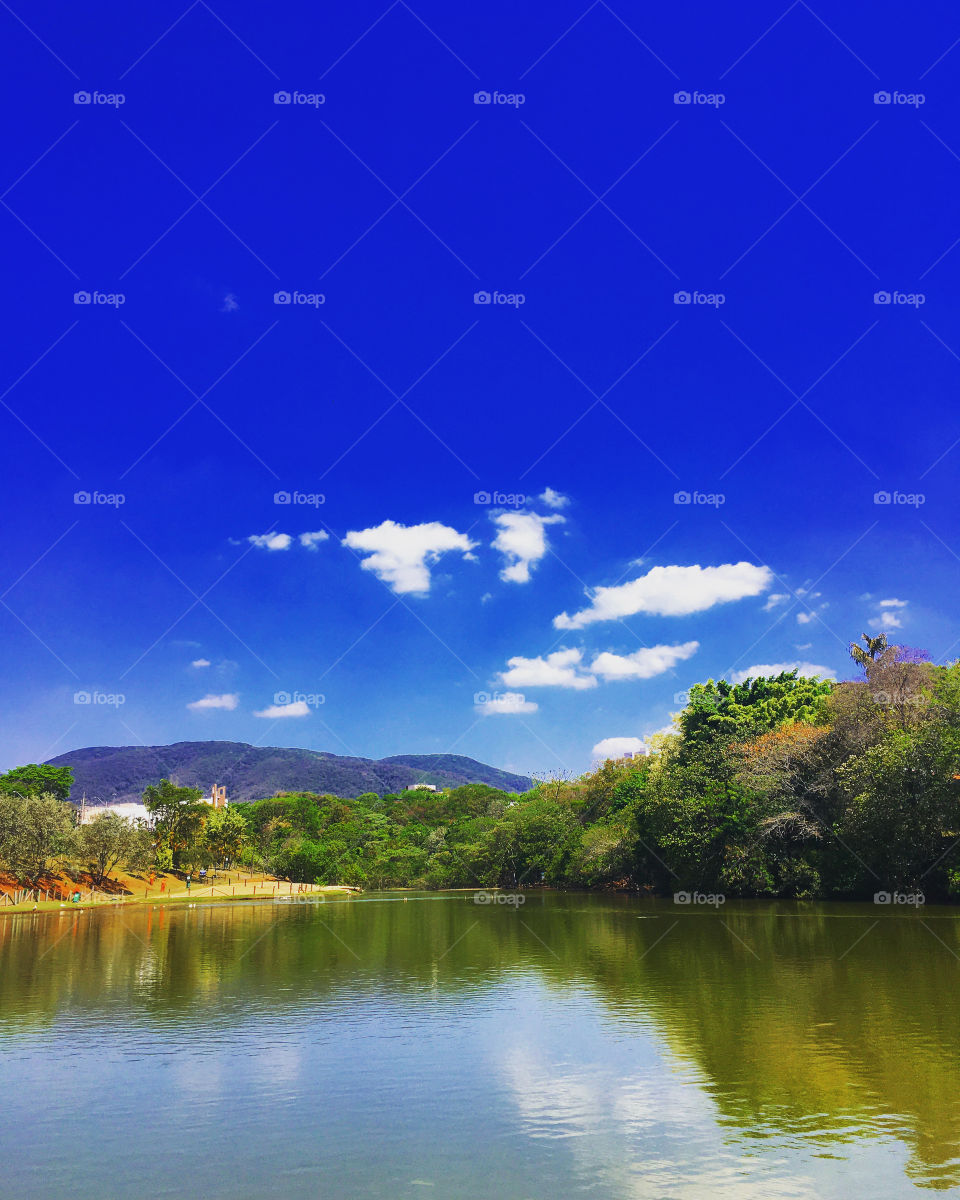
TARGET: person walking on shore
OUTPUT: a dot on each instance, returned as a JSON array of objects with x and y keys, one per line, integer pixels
[{"x": 188, "y": 882}]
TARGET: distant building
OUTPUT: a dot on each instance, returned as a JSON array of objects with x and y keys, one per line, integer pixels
[
  {"x": 217, "y": 797},
  {"x": 133, "y": 811},
  {"x": 130, "y": 811},
  {"x": 420, "y": 787}
]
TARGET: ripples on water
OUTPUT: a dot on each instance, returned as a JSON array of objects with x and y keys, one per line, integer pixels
[{"x": 577, "y": 1046}]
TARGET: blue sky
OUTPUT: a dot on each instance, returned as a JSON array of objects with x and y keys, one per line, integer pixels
[{"x": 721, "y": 256}]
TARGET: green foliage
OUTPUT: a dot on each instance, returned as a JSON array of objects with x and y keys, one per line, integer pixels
[
  {"x": 38, "y": 780},
  {"x": 33, "y": 831},
  {"x": 109, "y": 840},
  {"x": 724, "y": 712},
  {"x": 178, "y": 817},
  {"x": 224, "y": 835}
]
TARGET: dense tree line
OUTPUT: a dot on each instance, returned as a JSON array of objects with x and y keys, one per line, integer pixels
[{"x": 780, "y": 786}]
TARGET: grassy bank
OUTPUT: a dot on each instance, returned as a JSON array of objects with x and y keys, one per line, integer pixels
[{"x": 123, "y": 891}]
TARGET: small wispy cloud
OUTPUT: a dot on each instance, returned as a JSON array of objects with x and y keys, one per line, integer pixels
[
  {"x": 277, "y": 712},
  {"x": 889, "y": 616},
  {"x": 200, "y": 662},
  {"x": 271, "y": 541},
  {"x": 228, "y": 701},
  {"x": 553, "y": 499}
]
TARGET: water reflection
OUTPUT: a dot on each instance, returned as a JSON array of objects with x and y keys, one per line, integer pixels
[{"x": 658, "y": 1051}]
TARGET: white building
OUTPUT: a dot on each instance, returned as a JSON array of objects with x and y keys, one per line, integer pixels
[
  {"x": 133, "y": 811},
  {"x": 130, "y": 811}
]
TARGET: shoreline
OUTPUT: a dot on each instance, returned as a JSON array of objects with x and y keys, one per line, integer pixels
[{"x": 205, "y": 894}]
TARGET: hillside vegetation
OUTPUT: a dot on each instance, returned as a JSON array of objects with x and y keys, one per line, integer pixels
[{"x": 122, "y": 773}]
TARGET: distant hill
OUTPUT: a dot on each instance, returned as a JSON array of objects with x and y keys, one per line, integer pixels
[{"x": 120, "y": 773}]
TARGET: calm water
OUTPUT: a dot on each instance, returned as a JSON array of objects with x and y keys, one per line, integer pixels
[{"x": 580, "y": 1045}]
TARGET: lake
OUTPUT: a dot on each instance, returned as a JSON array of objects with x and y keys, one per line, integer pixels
[{"x": 431, "y": 1047}]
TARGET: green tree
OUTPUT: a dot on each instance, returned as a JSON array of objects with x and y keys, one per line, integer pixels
[
  {"x": 109, "y": 840},
  {"x": 224, "y": 834},
  {"x": 904, "y": 812},
  {"x": 874, "y": 647},
  {"x": 178, "y": 817},
  {"x": 38, "y": 779},
  {"x": 721, "y": 712},
  {"x": 33, "y": 830}
]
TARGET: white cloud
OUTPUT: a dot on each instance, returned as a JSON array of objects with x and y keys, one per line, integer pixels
[
  {"x": 505, "y": 703},
  {"x": 804, "y": 618},
  {"x": 560, "y": 669},
  {"x": 618, "y": 747},
  {"x": 312, "y": 540},
  {"x": 888, "y": 616},
  {"x": 297, "y": 708},
  {"x": 200, "y": 662},
  {"x": 553, "y": 499},
  {"x": 399, "y": 554},
  {"x": 228, "y": 701},
  {"x": 774, "y": 599},
  {"x": 642, "y": 664},
  {"x": 270, "y": 541},
  {"x": 522, "y": 542},
  {"x": 886, "y": 620},
  {"x": 672, "y": 592},
  {"x": 805, "y": 646},
  {"x": 804, "y": 669}
]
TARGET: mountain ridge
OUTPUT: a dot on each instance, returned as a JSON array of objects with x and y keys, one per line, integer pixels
[{"x": 114, "y": 774}]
